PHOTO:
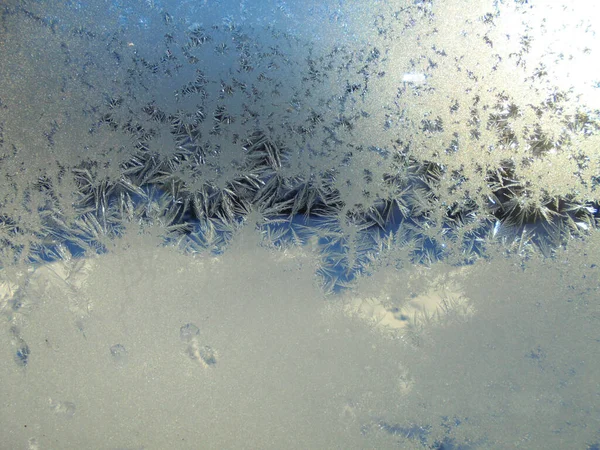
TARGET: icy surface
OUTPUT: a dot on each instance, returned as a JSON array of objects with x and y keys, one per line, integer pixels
[{"x": 299, "y": 225}]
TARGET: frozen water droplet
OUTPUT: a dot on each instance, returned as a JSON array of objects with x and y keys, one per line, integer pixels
[
  {"x": 20, "y": 347},
  {"x": 188, "y": 332},
  {"x": 65, "y": 409},
  {"x": 208, "y": 355},
  {"x": 22, "y": 354},
  {"x": 119, "y": 354},
  {"x": 205, "y": 355}
]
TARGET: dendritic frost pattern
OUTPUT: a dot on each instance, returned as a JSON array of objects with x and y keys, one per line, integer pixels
[{"x": 443, "y": 122}]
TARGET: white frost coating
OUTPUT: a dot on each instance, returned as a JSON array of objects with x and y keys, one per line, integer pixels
[
  {"x": 414, "y": 78},
  {"x": 439, "y": 298},
  {"x": 290, "y": 372},
  {"x": 563, "y": 40}
]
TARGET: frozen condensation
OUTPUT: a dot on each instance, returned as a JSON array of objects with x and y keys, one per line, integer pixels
[{"x": 299, "y": 224}]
